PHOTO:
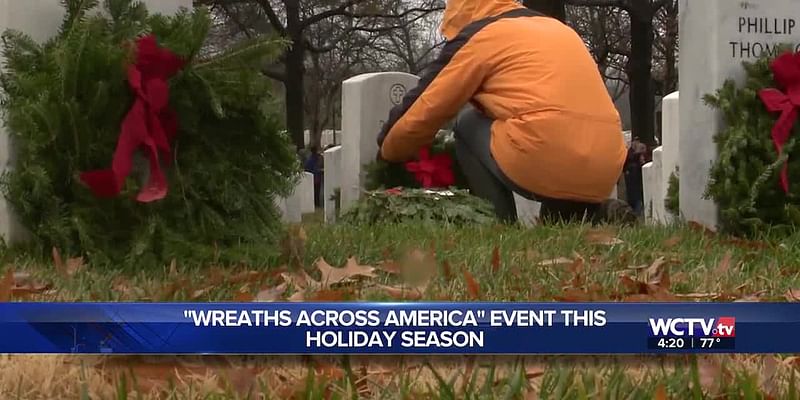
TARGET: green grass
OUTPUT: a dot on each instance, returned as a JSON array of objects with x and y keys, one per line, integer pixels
[{"x": 766, "y": 269}]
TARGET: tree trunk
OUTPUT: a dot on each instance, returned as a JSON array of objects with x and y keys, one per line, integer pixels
[
  {"x": 553, "y": 8},
  {"x": 639, "y": 73},
  {"x": 295, "y": 73}
]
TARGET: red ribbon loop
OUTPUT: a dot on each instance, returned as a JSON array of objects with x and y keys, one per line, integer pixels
[
  {"x": 432, "y": 172},
  {"x": 786, "y": 71},
  {"x": 149, "y": 123}
]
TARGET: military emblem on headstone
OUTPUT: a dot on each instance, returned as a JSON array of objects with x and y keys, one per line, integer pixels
[{"x": 396, "y": 93}]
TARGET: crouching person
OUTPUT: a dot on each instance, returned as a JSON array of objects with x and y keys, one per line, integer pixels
[{"x": 534, "y": 115}]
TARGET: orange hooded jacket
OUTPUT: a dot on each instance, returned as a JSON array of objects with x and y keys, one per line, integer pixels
[{"x": 556, "y": 131}]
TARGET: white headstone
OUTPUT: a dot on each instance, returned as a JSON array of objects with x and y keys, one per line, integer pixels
[
  {"x": 670, "y": 139},
  {"x": 723, "y": 34},
  {"x": 653, "y": 189},
  {"x": 40, "y": 19},
  {"x": 331, "y": 181},
  {"x": 306, "y": 189},
  {"x": 366, "y": 102},
  {"x": 527, "y": 210}
]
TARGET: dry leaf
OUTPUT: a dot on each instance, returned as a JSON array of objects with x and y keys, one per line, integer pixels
[
  {"x": 300, "y": 280},
  {"x": 698, "y": 295},
  {"x": 447, "y": 272},
  {"x": 752, "y": 298},
  {"x": 724, "y": 264},
  {"x": 58, "y": 262},
  {"x": 332, "y": 275},
  {"x": 390, "y": 267},
  {"x": 243, "y": 297},
  {"x": 577, "y": 271},
  {"x": 495, "y": 259},
  {"x": 74, "y": 265},
  {"x": 199, "y": 293},
  {"x": 402, "y": 292},
  {"x": 6, "y": 285},
  {"x": 473, "y": 289},
  {"x": 533, "y": 372},
  {"x": 768, "y": 374},
  {"x": 792, "y": 295},
  {"x": 556, "y": 262},
  {"x": 602, "y": 237},
  {"x": 330, "y": 295},
  {"x": 661, "y": 393},
  {"x": 293, "y": 245},
  {"x": 247, "y": 277},
  {"x": 698, "y": 227},
  {"x": 271, "y": 294},
  {"x": 672, "y": 242},
  {"x": 173, "y": 268}
]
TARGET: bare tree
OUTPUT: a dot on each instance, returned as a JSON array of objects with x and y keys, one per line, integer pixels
[{"x": 296, "y": 20}]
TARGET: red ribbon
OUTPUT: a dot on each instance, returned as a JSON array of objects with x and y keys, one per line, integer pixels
[
  {"x": 432, "y": 171},
  {"x": 786, "y": 71},
  {"x": 150, "y": 123}
]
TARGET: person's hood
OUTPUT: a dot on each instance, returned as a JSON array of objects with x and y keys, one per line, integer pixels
[{"x": 460, "y": 13}]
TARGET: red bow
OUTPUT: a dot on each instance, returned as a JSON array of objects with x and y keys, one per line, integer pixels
[
  {"x": 786, "y": 70},
  {"x": 432, "y": 172},
  {"x": 149, "y": 123}
]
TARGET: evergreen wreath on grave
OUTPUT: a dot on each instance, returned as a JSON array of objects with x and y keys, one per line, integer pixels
[
  {"x": 754, "y": 181},
  {"x": 79, "y": 106},
  {"x": 430, "y": 188},
  {"x": 440, "y": 155}
]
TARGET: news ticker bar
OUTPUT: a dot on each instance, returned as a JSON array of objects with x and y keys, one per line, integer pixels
[{"x": 399, "y": 328}]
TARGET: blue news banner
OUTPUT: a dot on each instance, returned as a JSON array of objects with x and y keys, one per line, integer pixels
[{"x": 399, "y": 328}]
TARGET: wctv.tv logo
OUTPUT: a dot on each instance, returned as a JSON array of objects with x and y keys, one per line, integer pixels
[{"x": 707, "y": 327}]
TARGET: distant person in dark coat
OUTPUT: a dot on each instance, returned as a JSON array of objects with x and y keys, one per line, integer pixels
[{"x": 633, "y": 175}]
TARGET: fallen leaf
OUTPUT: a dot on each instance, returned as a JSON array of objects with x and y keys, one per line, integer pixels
[
  {"x": 402, "y": 292},
  {"x": 495, "y": 259},
  {"x": 6, "y": 285},
  {"x": 751, "y": 298},
  {"x": 576, "y": 268},
  {"x": 58, "y": 262},
  {"x": 698, "y": 227},
  {"x": 446, "y": 270},
  {"x": 300, "y": 280},
  {"x": 557, "y": 262},
  {"x": 473, "y": 289},
  {"x": 248, "y": 277},
  {"x": 330, "y": 295},
  {"x": 332, "y": 275},
  {"x": 173, "y": 268},
  {"x": 534, "y": 372},
  {"x": 793, "y": 295},
  {"x": 74, "y": 265},
  {"x": 243, "y": 297},
  {"x": 698, "y": 295},
  {"x": 390, "y": 267},
  {"x": 293, "y": 245},
  {"x": 710, "y": 374},
  {"x": 199, "y": 293},
  {"x": 271, "y": 294},
  {"x": 575, "y": 295},
  {"x": 661, "y": 393},
  {"x": 768, "y": 373},
  {"x": 602, "y": 237},
  {"x": 658, "y": 273},
  {"x": 724, "y": 264},
  {"x": 672, "y": 242}
]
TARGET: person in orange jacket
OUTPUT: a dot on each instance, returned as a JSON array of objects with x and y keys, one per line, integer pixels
[{"x": 534, "y": 114}]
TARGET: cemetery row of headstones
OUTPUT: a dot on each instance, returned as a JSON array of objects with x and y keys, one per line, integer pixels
[{"x": 724, "y": 33}]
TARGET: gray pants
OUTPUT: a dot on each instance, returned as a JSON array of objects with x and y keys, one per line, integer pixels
[{"x": 473, "y": 133}]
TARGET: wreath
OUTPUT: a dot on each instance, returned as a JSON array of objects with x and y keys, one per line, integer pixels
[{"x": 753, "y": 181}]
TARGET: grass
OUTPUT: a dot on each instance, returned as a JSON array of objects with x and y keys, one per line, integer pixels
[{"x": 570, "y": 263}]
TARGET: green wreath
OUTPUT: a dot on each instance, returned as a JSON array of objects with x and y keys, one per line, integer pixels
[{"x": 745, "y": 179}]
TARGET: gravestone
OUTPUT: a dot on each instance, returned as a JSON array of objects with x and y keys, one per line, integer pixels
[
  {"x": 653, "y": 189},
  {"x": 331, "y": 181},
  {"x": 306, "y": 193},
  {"x": 40, "y": 19},
  {"x": 723, "y": 34},
  {"x": 366, "y": 102}
]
